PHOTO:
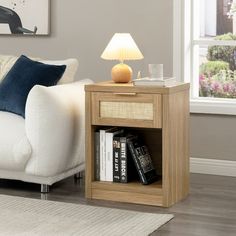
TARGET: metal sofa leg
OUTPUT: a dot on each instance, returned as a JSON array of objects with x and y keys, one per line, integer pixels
[
  {"x": 44, "y": 196},
  {"x": 44, "y": 188},
  {"x": 78, "y": 176}
]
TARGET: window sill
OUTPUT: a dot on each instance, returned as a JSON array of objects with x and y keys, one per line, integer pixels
[{"x": 208, "y": 106}]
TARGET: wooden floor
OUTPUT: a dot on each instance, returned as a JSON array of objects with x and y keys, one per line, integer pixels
[{"x": 210, "y": 209}]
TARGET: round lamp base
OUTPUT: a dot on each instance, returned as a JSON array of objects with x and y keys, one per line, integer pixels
[{"x": 121, "y": 73}]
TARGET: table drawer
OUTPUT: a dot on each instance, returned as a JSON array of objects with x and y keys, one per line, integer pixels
[{"x": 127, "y": 109}]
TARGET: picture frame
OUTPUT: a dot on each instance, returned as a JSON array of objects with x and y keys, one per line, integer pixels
[{"x": 25, "y": 17}]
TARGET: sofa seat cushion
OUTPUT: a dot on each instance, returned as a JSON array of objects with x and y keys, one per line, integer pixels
[{"x": 15, "y": 149}]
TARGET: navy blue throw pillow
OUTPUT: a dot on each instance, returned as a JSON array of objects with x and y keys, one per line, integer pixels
[{"x": 22, "y": 77}]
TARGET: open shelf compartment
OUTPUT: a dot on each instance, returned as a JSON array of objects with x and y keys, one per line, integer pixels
[{"x": 134, "y": 189}]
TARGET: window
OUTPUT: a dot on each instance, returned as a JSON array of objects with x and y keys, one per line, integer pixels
[{"x": 207, "y": 35}]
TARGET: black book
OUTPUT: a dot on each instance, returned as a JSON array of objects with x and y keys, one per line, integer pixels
[
  {"x": 97, "y": 155},
  {"x": 142, "y": 159},
  {"x": 116, "y": 159},
  {"x": 123, "y": 160},
  {"x": 125, "y": 171}
]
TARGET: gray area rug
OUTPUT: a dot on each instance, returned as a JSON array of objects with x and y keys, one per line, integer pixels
[{"x": 29, "y": 217}]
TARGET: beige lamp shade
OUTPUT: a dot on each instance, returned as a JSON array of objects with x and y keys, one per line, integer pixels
[{"x": 121, "y": 47}]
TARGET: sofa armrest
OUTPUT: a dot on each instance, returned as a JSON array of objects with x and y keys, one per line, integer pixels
[{"x": 55, "y": 127}]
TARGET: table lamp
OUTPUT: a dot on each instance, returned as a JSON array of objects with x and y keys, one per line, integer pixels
[{"x": 121, "y": 47}]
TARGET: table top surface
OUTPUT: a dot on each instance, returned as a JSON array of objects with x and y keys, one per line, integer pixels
[{"x": 110, "y": 86}]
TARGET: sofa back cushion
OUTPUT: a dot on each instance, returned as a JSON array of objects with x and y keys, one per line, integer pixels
[
  {"x": 7, "y": 61},
  {"x": 71, "y": 69},
  {"x": 22, "y": 77}
]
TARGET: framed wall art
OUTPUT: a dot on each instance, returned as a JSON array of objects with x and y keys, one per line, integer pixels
[{"x": 20, "y": 17}]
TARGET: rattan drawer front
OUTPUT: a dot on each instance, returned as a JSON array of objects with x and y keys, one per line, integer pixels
[
  {"x": 140, "y": 110},
  {"x": 126, "y": 110}
]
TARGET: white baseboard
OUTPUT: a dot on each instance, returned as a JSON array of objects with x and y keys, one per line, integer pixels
[{"x": 213, "y": 166}]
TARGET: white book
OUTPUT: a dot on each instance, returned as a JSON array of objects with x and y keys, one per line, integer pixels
[
  {"x": 103, "y": 153},
  {"x": 164, "y": 82},
  {"x": 109, "y": 152}
]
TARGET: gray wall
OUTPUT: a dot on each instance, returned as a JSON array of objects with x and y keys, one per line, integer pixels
[
  {"x": 82, "y": 29},
  {"x": 213, "y": 136}
]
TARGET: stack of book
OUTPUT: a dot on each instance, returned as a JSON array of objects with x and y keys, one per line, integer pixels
[{"x": 121, "y": 157}]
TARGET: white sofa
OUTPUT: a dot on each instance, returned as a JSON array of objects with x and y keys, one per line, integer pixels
[{"x": 48, "y": 145}]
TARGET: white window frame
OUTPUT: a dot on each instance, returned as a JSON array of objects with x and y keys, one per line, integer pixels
[{"x": 183, "y": 60}]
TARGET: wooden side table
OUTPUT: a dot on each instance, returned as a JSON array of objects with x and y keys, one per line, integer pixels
[{"x": 161, "y": 116}]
